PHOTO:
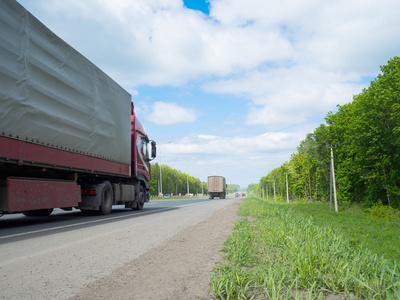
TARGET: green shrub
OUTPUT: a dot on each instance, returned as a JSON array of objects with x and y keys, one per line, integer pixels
[{"x": 383, "y": 212}]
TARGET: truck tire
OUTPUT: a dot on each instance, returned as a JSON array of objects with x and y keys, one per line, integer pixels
[
  {"x": 105, "y": 193},
  {"x": 141, "y": 199},
  {"x": 38, "y": 213}
]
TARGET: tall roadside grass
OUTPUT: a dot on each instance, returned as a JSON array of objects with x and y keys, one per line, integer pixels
[
  {"x": 274, "y": 252},
  {"x": 379, "y": 234}
]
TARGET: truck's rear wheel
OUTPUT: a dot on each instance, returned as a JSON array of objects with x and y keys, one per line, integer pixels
[
  {"x": 38, "y": 213},
  {"x": 104, "y": 191}
]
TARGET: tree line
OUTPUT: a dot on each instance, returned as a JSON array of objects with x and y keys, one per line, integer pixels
[
  {"x": 174, "y": 182},
  {"x": 365, "y": 139}
]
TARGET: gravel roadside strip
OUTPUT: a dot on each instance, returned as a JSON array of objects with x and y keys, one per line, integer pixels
[{"x": 177, "y": 269}]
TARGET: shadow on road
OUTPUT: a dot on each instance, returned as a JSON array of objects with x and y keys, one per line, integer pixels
[{"x": 21, "y": 227}]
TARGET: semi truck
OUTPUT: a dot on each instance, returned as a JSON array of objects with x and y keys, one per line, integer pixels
[
  {"x": 216, "y": 186},
  {"x": 69, "y": 135}
]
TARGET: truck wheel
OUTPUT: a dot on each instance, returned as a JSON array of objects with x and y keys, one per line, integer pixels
[
  {"x": 141, "y": 199},
  {"x": 106, "y": 200},
  {"x": 38, "y": 212}
]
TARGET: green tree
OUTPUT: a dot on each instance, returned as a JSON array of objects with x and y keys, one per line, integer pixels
[
  {"x": 366, "y": 137},
  {"x": 174, "y": 181},
  {"x": 233, "y": 188}
]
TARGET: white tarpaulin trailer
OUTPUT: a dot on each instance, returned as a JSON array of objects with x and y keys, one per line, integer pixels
[{"x": 53, "y": 96}]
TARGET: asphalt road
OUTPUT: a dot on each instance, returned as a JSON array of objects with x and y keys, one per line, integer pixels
[
  {"x": 51, "y": 257},
  {"x": 14, "y": 225}
]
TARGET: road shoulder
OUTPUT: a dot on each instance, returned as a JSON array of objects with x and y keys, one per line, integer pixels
[{"x": 176, "y": 269}]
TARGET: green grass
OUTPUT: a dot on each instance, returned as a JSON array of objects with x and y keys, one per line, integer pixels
[
  {"x": 379, "y": 235},
  {"x": 280, "y": 251}
]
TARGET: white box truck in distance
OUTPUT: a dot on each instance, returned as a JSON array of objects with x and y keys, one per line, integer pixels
[{"x": 216, "y": 187}]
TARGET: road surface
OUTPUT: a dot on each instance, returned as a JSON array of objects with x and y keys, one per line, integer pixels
[{"x": 53, "y": 257}]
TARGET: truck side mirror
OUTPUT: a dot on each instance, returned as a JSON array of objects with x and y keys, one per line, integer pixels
[{"x": 153, "y": 150}]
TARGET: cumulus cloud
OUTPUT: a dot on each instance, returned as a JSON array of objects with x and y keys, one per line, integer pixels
[
  {"x": 289, "y": 96},
  {"x": 170, "y": 113},
  {"x": 163, "y": 43},
  {"x": 268, "y": 142},
  {"x": 241, "y": 159}
]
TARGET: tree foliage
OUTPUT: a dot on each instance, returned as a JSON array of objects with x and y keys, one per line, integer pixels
[
  {"x": 365, "y": 134},
  {"x": 174, "y": 182},
  {"x": 233, "y": 188}
]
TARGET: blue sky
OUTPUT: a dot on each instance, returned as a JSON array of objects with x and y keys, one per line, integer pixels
[
  {"x": 200, "y": 5},
  {"x": 233, "y": 85}
]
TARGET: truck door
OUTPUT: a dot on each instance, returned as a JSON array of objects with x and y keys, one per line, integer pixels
[{"x": 142, "y": 146}]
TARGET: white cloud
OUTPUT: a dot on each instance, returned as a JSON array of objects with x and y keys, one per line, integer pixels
[
  {"x": 240, "y": 145},
  {"x": 241, "y": 159},
  {"x": 289, "y": 96},
  {"x": 208, "y": 137},
  {"x": 160, "y": 42},
  {"x": 170, "y": 113}
]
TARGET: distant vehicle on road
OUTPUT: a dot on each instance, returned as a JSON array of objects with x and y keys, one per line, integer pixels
[
  {"x": 237, "y": 195},
  {"x": 216, "y": 187},
  {"x": 167, "y": 195}
]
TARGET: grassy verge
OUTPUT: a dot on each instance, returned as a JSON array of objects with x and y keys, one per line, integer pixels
[
  {"x": 380, "y": 236},
  {"x": 281, "y": 252}
]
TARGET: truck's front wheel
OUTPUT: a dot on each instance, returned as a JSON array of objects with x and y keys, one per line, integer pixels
[
  {"x": 106, "y": 198},
  {"x": 141, "y": 198}
]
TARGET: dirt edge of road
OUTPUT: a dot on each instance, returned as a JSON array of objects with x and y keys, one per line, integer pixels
[{"x": 179, "y": 268}]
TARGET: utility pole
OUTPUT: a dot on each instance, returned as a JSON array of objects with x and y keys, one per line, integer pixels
[
  {"x": 287, "y": 189},
  {"x": 333, "y": 178},
  {"x": 160, "y": 177},
  {"x": 274, "y": 192},
  {"x": 159, "y": 155},
  {"x": 330, "y": 188},
  {"x": 188, "y": 184}
]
